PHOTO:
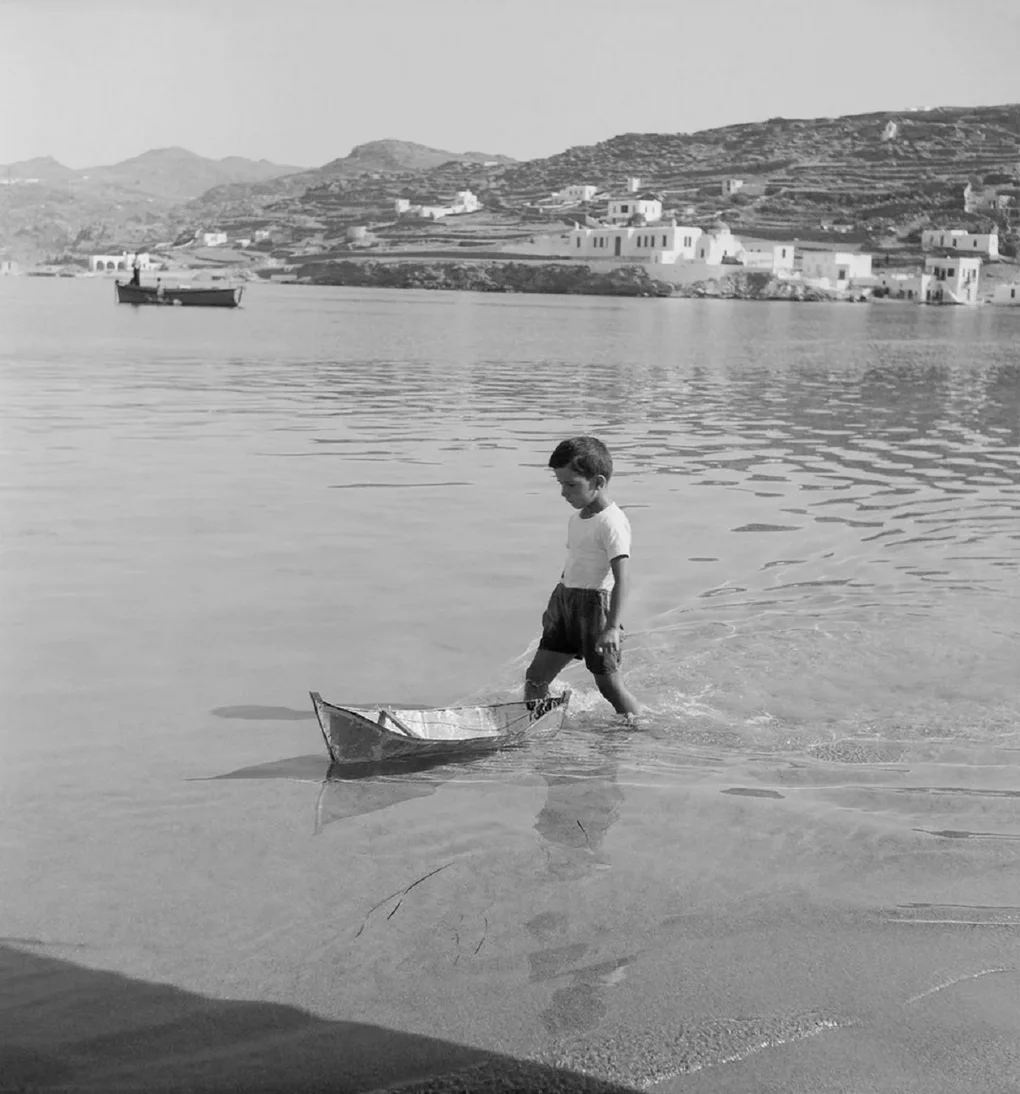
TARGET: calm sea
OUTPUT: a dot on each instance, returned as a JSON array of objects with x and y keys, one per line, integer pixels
[{"x": 207, "y": 513}]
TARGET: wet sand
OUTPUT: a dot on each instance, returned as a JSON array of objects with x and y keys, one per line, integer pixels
[{"x": 722, "y": 929}]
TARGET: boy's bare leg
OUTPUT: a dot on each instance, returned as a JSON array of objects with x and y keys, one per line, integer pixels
[
  {"x": 611, "y": 686},
  {"x": 544, "y": 668}
]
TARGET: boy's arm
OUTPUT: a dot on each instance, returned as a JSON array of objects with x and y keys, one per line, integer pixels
[{"x": 610, "y": 637}]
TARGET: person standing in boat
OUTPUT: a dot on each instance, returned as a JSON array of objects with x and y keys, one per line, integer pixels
[
  {"x": 160, "y": 289},
  {"x": 136, "y": 273},
  {"x": 583, "y": 619}
]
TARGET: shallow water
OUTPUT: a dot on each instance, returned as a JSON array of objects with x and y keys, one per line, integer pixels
[{"x": 206, "y": 514}]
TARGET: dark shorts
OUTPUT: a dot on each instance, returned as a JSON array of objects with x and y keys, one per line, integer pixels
[{"x": 572, "y": 623}]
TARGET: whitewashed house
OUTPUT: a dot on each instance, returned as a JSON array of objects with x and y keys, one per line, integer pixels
[
  {"x": 718, "y": 244},
  {"x": 574, "y": 195},
  {"x": 899, "y": 285},
  {"x": 621, "y": 209},
  {"x": 959, "y": 239},
  {"x": 124, "y": 261},
  {"x": 1007, "y": 295},
  {"x": 654, "y": 243},
  {"x": 212, "y": 239},
  {"x": 464, "y": 201},
  {"x": 953, "y": 279},
  {"x": 753, "y": 188},
  {"x": 835, "y": 269},
  {"x": 779, "y": 258}
]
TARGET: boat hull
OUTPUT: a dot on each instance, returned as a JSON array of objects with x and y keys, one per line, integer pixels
[
  {"x": 187, "y": 296},
  {"x": 363, "y": 735}
]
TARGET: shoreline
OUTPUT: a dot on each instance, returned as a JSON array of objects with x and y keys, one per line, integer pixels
[{"x": 560, "y": 278}]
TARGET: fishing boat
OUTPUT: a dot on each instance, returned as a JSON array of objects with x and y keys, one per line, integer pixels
[
  {"x": 373, "y": 735},
  {"x": 189, "y": 296}
]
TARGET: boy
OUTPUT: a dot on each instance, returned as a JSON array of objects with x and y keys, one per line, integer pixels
[{"x": 582, "y": 619}]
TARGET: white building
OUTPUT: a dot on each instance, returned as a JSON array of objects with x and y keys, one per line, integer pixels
[
  {"x": 900, "y": 286},
  {"x": 212, "y": 239},
  {"x": 1007, "y": 295},
  {"x": 575, "y": 194},
  {"x": 718, "y": 244},
  {"x": 124, "y": 261},
  {"x": 958, "y": 239},
  {"x": 633, "y": 184},
  {"x": 778, "y": 258},
  {"x": 464, "y": 202},
  {"x": 646, "y": 205},
  {"x": 657, "y": 243},
  {"x": 835, "y": 268},
  {"x": 753, "y": 188},
  {"x": 954, "y": 280}
]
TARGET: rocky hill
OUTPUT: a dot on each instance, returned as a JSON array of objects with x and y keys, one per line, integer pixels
[
  {"x": 45, "y": 206},
  {"x": 861, "y": 178},
  {"x": 866, "y": 178},
  {"x": 382, "y": 162}
]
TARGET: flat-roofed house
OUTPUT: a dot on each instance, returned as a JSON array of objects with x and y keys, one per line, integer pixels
[
  {"x": 962, "y": 241},
  {"x": 835, "y": 268},
  {"x": 1007, "y": 295},
  {"x": 575, "y": 194},
  {"x": 622, "y": 209},
  {"x": 778, "y": 258},
  {"x": 954, "y": 279},
  {"x": 655, "y": 243}
]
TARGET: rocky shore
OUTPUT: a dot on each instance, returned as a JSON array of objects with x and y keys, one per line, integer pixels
[{"x": 551, "y": 277}]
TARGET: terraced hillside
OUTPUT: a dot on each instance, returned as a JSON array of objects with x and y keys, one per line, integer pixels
[{"x": 871, "y": 178}]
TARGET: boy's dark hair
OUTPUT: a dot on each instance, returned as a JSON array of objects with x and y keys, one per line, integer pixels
[{"x": 588, "y": 456}]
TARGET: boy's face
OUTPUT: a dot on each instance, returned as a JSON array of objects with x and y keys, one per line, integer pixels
[{"x": 576, "y": 489}]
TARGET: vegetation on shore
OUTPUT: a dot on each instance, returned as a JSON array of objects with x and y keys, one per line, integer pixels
[{"x": 550, "y": 277}]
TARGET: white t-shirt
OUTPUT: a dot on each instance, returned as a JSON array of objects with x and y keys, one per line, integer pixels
[{"x": 592, "y": 544}]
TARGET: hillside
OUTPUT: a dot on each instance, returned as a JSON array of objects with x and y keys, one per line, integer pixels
[
  {"x": 872, "y": 179},
  {"x": 390, "y": 158},
  {"x": 45, "y": 206},
  {"x": 866, "y": 178}
]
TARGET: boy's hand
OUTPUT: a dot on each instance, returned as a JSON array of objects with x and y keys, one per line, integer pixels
[{"x": 608, "y": 641}]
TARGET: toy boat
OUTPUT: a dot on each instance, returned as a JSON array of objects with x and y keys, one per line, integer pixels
[{"x": 372, "y": 735}]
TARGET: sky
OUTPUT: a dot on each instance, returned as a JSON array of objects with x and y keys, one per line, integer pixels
[{"x": 301, "y": 82}]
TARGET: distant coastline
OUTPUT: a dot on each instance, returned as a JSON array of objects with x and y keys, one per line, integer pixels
[{"x": 579, "y": 279}]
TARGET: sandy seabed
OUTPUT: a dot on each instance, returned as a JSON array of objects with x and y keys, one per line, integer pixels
[{"x": 748, "y": 927}]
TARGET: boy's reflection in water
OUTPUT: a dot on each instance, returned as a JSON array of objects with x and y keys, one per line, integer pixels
[{"x": 582, "y": 803}]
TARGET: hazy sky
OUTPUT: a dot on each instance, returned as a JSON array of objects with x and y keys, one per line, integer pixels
[{"x": 93, "y": 82}]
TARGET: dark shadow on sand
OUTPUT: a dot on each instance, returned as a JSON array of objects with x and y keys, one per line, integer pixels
[{"x": 70, "y": 1028}]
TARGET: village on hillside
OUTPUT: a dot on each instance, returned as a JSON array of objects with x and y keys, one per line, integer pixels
[{"x": 960, "y": 250}]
